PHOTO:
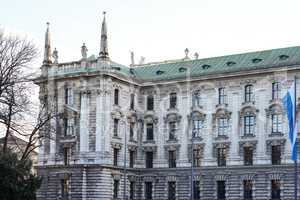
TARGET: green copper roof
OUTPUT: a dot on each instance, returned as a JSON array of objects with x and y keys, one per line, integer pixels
[{"x": 218, "y": 65}]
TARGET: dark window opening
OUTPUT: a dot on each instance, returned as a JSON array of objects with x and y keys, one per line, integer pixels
[
  {"x": 275, "y": 190},
  {"x": 196, "y": 190},
  {"x": 116, "y": 189},
  {"x": 172, "y": 159},
  {"x": 66, "y": 155},
  {"x": 131, "y": 158},
  {"x": 221, "y": 190},
  {"x": 221, "y": 156},
  {"x": 173, "y": 100},
  {"x": 116, "y": 96},
  {"x": 248, "y": 93},
  {"x": 172, "y": 130},
  {"x": 172, "y": 190},
  {"x": 149, "y": 131},
  {"x": 148, "y": 190},
  {"x": 132, "y": 101},
  {"x": 248, "y": 156},
  {"x": 276, "y": 154},
  {"x": 248, "y": 189},
  {"x": 116, "y": 154},
  {"x": 196, "y": 157},
  {"x": 131, "y": 131},
  {"x": 65, "y": 188},
  {"x": 116, "y": 126},
  {"x": 149, "y": 159},
  {"x": 150, "y": 102},
  {"x": 131, "y": 190}
]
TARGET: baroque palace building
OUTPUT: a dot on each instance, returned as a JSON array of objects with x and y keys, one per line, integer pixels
[{"x": 223, "y": 115}]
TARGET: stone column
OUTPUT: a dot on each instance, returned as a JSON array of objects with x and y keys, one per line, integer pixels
[
  {"x": 84, "y": 122},
  {"x": 99, "y": 124},
  {"x": 107, "y": 113},
  {"x": 234, "y": 131}
]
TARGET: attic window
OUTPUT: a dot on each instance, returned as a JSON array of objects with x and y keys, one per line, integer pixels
[
  {"x": 205, "y": 66},
  {"x": 159, "y": 72},
  {"x": 182, "y": 69},
  {"x": 131, "y": 71},
  {"x": 230, "y": 63},
  {"x": 283, "y": 57},
  {"x": 116, "y": 68},
  {"x": 256, "y": 60}
]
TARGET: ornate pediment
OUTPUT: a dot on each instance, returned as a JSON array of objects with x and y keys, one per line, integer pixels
[
  {"x": 247, "y": 143},
  {"x": 275, "y": 142},
  {"x": 196, "y": 114},
  {"x": 149, "y": 148},
  {"x": 248, "y": 110},
  {"x": 172, "y": 117},
  {"x": 274, "y": 108},
  {"x": 116, "y": 145}
]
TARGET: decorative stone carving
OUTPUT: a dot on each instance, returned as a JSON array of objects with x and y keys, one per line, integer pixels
[
  {"x": 248, "y": 177},
  {"x": 55, "y": 56},
  {"x": 172, "y": 117},
  {"x": 252, "y": 144},
  {"x": 147, "y": 148},
  {"x": 116, "y": 145},
  {"x": 84, "y": 51},
  {"x": 221, "y": 177},
  {"x": 217, "y": 145},
  {"x": 274, "y": 142}
]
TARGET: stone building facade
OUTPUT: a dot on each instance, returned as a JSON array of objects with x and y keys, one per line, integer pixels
[{"x": 222, "y": 114}]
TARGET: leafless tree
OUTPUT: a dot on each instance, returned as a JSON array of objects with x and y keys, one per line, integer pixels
[{"x": 16, "y": 56}]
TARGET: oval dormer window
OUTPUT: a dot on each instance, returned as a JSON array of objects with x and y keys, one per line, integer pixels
[
  {"x": 182, "y": 69},
  {"x": 230, "y": 63},
  {"x": 256, "y": 60},
  {"x": 205, "y": 66},
  {"x": 283, "y": 57},
  {"x": 159, "y": 72}
]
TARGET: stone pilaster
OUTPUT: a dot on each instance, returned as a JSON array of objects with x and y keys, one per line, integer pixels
[{"x": 84, "y": 121}]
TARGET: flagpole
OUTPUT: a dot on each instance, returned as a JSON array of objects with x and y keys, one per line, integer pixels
[{"x": 295, "y": 162}]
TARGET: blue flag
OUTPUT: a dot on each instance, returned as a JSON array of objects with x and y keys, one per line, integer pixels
[{"x": 290, "y": 106}]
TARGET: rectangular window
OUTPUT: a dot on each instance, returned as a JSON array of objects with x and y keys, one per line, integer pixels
[
  {"x": 221, "y": 156},
  {"x": 131, "y": 190},
  {"x": 172, "y": 190},
  {"x": 197, "y": 128},
  {"x": 68, "y": 96},
  {"x": 116, "y": 96},
  {"x": 248, "y": 189},
  {"x": 196, "y": 157},
  {"x": 131, "y": 130},
  {"x": 249, "y": 125},
  {"x": 275, "y": 90},
  {"x": 148, "y": 190},
  {"x": 173, "y": 100},
  {"x": 65, "y": 185},
  {"x": 222, "y": 126},
  {"x": 116, "y": 189},
  {"x": 275, "y": 190},
  {"x": 222, "y": 96},
  {"x": 150, "y": 102},
  {"x": 131, "y": 158},
  {"x": 276, "y": 123},
  {"x": 221, "y": 190},
  {"x": 172, "y": 130},
  {"x": 172, "y": 159},
  {"x": 196, "y": 98},
  {"x": 66, "y": 155},
  {"x": 276, "y": 154},
  {"x": 132, "y": 101},
  {"x": 116, "y": 127},
  {"x": 149, "y": 129},
  {"x": 248, "y": 156},
  {"x": 116, "y": 155},
  {"x": 66, "y": 126},
  {"x": 149, "y": 159},
  {"x": 196, "y": 190},
  {"x": 249, "y": 93}
]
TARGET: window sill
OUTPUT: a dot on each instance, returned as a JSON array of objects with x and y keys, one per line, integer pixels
[{"x": 248, "y": 136}]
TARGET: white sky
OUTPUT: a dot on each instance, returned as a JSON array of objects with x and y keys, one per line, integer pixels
[{"x": 156, "y": 29}]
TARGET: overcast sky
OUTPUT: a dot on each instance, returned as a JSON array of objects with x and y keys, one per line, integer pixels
[{"x": 156, "y": 29}]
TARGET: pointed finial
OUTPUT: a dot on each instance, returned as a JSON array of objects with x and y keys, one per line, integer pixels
[
  {"x": 196, "y": 55},
  {"x": 104, "y": 44},
  {"x": 186, "y": 51},
  {"x": 84, "y": 51},
  {"x": 47, "y": 50}
]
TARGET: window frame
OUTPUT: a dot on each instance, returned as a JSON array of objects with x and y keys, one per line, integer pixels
[
  {"x": 221, "y": 96},
  {"x": 223, "y": 124},
  {"x": 276, "y": 123},
  {"x": 275, "y": 189},
  {"x": 149, "y": 131},
  {"x": 248, "y": 158},
  {"x": 276, "y": 154},
  {"x": 248, "y": 189},
  {"x": 173, "y": 100},
  {"x": 172, "y": 158},
  {"x": 275, "y": 90},
  {"x": 116, "y": 127},
  {"x": 249, "y": 94},
  {"x": 148, "y": 190},
  {"x": 172, "y": 190},
  {"x": 116, "y": 96},
  {"x": 150, "y": 102},
  {"x": 149, "y": 159},
  {"x": 221, "y": 156},
  {"x": 196, "y": 98},
  {"x": 221, "y": 190},
  {"x": 116, "y": 156},
  {"x": 249, "y": 125}
]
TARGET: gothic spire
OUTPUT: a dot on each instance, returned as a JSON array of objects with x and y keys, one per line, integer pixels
[
  {"x": 103, "y": 45},
  {"x": 47, "y": 53}
]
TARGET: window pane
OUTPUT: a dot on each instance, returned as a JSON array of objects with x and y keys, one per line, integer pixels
[
  {"x": 221, "y": 190},
  {"x": 172, "y": 190}
]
